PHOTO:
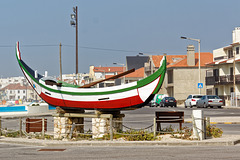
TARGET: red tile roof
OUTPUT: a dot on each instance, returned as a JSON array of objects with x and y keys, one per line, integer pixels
[
  {"x": 109, "y": 69},
  {"x": 181, "y": 60},
  {"x": 16, "y": 86},
  {"x": 139, "y": 73}
]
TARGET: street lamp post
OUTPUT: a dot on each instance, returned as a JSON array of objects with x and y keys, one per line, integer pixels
[
  {"x": 199, "y": 58},
  {"x": 74, "y": 23},
  {"x": 124, "y": 79}
]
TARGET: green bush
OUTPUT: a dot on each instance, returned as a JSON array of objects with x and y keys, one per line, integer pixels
[
  {"x": 213, "y": 131},
  {"x": 133, "y": 135}
]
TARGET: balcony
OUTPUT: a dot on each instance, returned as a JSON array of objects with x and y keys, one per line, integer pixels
[
  {"x": 222, "y": 80},
  {"x": 147, "y": 68}
]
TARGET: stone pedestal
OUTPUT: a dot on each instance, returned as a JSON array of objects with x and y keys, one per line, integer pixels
[
  {"x": 101, "y": 126},
  {"x": 63, "y": 126}
]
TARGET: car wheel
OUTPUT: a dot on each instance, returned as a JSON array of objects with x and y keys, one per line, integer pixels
[
  {"x": 185, "y": 105},
  {"x": 204, "y": 105},
  {"x": 175, "y": 105},
  {"x": 219, "y": 106},
  {"x": 190, "y": 105}
]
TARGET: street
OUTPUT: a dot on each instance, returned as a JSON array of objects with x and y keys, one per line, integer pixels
[{"x": 10, "y": 151}]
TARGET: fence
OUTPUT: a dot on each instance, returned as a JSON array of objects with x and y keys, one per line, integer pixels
[{"x": 18, "y": 124}]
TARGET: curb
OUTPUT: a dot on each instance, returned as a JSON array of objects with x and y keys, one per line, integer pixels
[
  {"x": 118, "y": 143},
  {"x": 217, "y": 122}
]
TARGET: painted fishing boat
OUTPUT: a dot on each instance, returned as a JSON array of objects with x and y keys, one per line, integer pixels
[{"x": 69, "y": 96}]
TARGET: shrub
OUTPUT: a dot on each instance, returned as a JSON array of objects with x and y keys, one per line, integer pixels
[{"x": 213, "y": 131}]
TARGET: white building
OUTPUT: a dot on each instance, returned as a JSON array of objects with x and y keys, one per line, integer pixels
[
  {"x": 12, "y": 80},
  {"x": 13, "y": 92},
  {"x": 225, "y": 75}
]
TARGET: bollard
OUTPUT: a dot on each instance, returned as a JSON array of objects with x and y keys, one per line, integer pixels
[{"x": 199, "y": 123}]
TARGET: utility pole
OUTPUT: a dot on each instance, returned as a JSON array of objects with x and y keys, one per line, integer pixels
[
  {"x": 60, "y": 60},
  {"x": 74, "y": 23}
]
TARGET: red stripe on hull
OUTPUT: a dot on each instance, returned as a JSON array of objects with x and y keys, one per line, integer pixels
[{"x": 105, "y": 104}]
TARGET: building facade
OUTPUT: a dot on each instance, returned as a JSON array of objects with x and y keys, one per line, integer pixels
[
  {"x": 225, "y": 72},
  {"x": 182, "y": 76}
]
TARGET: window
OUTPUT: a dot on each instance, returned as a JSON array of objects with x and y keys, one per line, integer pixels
[
  {"x": 23, "y": 91},
  {"x": 230, "y": 53},
  {"x": 237, "y": 50},
  {"x": 216, "y": 91},
  {"x": 18, "y": 91},
  {"x": 170, "y": 76},
  {"x": 231, "y": 89}
]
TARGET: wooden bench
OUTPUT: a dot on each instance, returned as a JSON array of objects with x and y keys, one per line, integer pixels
[
  {"x": 169, "y": 117},
  {"x": 35, "y": 125}
]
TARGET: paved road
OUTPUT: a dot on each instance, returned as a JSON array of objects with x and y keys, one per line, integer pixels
[{"x": 10, "y": 152}]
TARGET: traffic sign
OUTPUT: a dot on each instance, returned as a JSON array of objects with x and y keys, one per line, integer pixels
[{"x": 200, "y": 85}]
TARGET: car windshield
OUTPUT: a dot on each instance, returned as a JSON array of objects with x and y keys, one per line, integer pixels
[
  {"x": 197, "y": 96},
  {"x": 213, "y": 97}
]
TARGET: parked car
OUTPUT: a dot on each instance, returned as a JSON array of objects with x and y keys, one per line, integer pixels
[
  {"x": 156, "y": 100},
  {"x": 192, "y": 100},
  {"x": 210, "y": 101},
  {"x": 168, "y": 101}
]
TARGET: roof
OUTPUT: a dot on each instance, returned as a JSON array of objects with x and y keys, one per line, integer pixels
[
  {"x": 139, "y": 73},
  {"x": 16, "y": 86},
  {"x": 136, "y": 61},
  {"x": 181, "y": 60},
  {"x": 224, "y": 61},
  {"x": 108, "y": 69}
]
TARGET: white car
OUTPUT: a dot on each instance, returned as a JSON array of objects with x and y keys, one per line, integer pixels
[
  {"x": 192, "y": 100},
  {"x": 210, "y": 101}
]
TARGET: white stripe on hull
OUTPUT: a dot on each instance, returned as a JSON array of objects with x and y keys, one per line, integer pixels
[{"x": 89, "y": 90}]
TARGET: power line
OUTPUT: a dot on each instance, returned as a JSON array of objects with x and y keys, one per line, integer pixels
[
  {"x": 107, "y": 49},
  {"x": 66, "y": 45}
]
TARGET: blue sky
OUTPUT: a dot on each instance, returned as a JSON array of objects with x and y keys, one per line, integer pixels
[{"x": 109, "y": 30}]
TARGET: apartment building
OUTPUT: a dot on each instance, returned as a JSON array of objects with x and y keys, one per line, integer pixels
[
  {"x": 17, "y": 91},
  {"x": 182, "y": 75},
  {"x": 225, "y": 72}
]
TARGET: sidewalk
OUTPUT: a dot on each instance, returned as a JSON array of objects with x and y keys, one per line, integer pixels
[{"x": 225, "y": 140}]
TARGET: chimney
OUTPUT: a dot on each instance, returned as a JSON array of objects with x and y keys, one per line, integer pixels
[
  {"x": 236, "y": 35},
  {"x": 191, "y": 55}
]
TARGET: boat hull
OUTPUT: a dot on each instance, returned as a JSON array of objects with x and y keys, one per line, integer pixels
[{"x": 131, "y": 95}]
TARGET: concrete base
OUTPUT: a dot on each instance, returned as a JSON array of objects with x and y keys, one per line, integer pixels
[
  {"x": 101, "y": 126},
  {"x": 37, "y": 108},
  {"x": 63, "y": 126}
]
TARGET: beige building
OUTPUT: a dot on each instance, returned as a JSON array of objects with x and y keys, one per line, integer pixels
[
  {"x": 182, "y": 75},
  {"x": 225, "y": 74}
]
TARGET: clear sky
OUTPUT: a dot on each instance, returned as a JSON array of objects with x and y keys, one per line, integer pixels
[{"x": 109, "y": 30}]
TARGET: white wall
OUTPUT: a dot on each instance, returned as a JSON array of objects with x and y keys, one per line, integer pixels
[{"x": 219, "y": 52}]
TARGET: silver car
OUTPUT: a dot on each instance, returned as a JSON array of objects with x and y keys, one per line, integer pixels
[{"x": 210, "y": 101}]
